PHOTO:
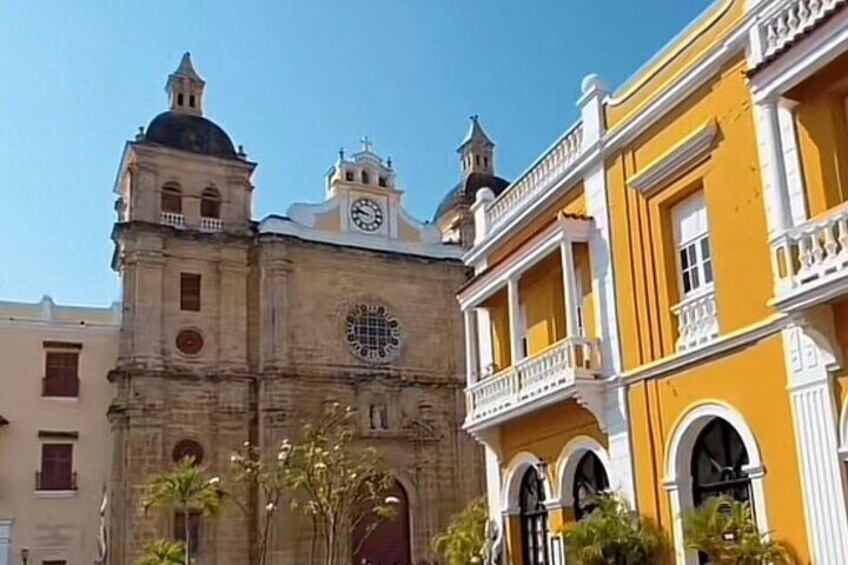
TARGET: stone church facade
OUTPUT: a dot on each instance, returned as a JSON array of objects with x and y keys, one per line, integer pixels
[{"x": 235, "y": 330}]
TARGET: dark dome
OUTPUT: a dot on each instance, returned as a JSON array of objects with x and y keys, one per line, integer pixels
[
  {"x": 190, "y": 133},
  {"x": 466, "y": 191}
]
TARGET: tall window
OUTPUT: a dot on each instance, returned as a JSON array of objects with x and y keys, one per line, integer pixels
[
  {"x": 534, "y": 519},
  {"x": 718, "y": 461},
  {"x": 210, "y": 204},
  {"x": 590, "y": 480},
  {"x": 172, "y": 200},
  {"x": 61, "y": 372},
  {"x": 691, "y": 238},
  {"x": 190, "y": 292},
  {"x": 57, "y": 460},
  {"x": 193, "y": 530}
]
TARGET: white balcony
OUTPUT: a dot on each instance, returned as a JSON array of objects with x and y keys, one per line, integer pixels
[
  {"x": 211, "y": 225},
  {"x": 787, "y": 20},
  {"x": 811, "y": 260},
  {"x": 697, "y": 323},
  {"x": 172, "y": 219},
  {"x": 546, "y": 170},
  {"x": 554, "y": 374}
]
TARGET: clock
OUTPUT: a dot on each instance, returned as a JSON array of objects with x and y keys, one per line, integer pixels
[{"x": 366, "y": 214}]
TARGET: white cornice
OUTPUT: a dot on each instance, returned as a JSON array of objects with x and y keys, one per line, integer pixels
[
  {"x": 281, "y": 226},
  {"x": 692, "y": 149},
  {"x": 722, "y": 345}
]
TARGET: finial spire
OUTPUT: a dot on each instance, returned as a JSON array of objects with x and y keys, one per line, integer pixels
[
  {"x": 476, "y": 152},
  {"x": 185, "y": 88}
]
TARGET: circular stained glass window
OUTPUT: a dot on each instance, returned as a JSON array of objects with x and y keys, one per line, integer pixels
[
  {"x": 372, "y": 333},
  {"x": 188, "y": 448},
  {"x": 189, "y": 342}
]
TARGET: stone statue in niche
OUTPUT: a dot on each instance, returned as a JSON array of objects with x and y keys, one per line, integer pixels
[{"x": 378, "y": 416}]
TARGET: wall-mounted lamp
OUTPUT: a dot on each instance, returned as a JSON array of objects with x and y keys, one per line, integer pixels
[{"x": 24, "y": 555}]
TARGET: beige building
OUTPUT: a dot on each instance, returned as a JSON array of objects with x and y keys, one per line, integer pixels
[
  {"x": 54, "y": 436},
  {"x": 238, "y": 330}
]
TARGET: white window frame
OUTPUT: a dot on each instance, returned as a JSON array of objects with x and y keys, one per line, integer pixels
[{"x": 691, "y": 231}]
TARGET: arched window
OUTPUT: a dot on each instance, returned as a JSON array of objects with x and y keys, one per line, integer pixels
[
  {"x": 172, "y": 199},
  {"x": 590, "y": 480},
  {"x": 210, "y": 204},
  {"x": 534, "y": 518},
  {"x": 718, "y": 461},
  {"x": 365, "y": 178},
  {"x": 191, "y": 100}
]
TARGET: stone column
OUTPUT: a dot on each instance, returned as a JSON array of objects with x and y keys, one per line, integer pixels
[
  {"x": 514, "y": 320},
  {"x": 147, "y": 308},
  {"x": 232, "y": 333},
  {"x": 815, "y": 416},
  {"x": 796, "y": 195},
  {"x": 273, "y": 306},
  {"x": 569, "y": 288}
]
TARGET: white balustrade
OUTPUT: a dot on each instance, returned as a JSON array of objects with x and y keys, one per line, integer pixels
[
  {"x": 812, "y": 253},
  {"x": 211, "y": 225},
  {"x": 172, "y": 219},
  {"x": 552, "y": 165},
  {"x": 546, "y": 372},
  {"x": 790, "y": 19},
  {"x": 697, "y": 322}
]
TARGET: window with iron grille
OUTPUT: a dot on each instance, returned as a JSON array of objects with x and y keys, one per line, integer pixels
[
  {"x": 57, "y": 461},
  {"x": 61, "y": 374},
  {"x": 190, "y": 292},
  {"x": 193, "y": 530}
]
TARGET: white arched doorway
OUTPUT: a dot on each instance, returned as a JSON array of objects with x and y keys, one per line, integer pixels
[
  {"x": 679, "y": 462},
  {"x": 583, "y": 465}
]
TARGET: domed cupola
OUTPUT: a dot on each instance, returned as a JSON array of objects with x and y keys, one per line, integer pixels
[
  {"x": 477, "y": 162},
  {"x": 183, "y": 126}
]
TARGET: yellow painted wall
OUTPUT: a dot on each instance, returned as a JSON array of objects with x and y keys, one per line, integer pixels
[
  {"x": 540, "y": 290},
  {"x": 545, "y": 433},
  {"x": 753, "y": 381},
  {"x": 499, "y": 312},
  {"x": 643, "y": 250},
  {"x": 328, "y": 221}
]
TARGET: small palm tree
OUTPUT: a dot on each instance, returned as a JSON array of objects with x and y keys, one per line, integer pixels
[
  {"x": 163, "y": 552},
  {"x": 464, "y": 541},
  {"x": 613, "y": 535},
  {"x": 724, "y": 530},
  {"x": 186, "y": 489}
]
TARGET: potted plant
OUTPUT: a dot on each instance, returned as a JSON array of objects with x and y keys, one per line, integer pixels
[
  {"x": 613, "y": 535},
  {"x": 725, "y": 531}
]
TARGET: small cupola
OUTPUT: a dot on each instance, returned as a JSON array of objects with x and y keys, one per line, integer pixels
[
  {"x": 185, "y": 89},
  {"x": 477, "y": 151}
]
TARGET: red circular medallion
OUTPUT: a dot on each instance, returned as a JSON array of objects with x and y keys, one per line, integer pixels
[{"x": 189, "y": 342}]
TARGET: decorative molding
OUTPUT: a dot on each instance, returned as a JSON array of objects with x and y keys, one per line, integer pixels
[{"x": 694, "y": 148}]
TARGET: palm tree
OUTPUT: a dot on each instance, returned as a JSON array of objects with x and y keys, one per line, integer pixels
[
  {"x": 163, "y": 552},
  {"x": 186, "y": 489}
]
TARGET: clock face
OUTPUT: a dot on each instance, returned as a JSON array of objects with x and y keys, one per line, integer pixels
[{"x": 366, "y": 214}]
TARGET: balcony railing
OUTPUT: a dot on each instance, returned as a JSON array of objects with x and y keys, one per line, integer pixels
[
  {"x": 211, "y": 225},
  {"x": 548, "y": 168},
  {"x": 550, "y": 371},
  {"x": 813, "y": 253},
  {"x": 55, "y": 482},
  {"x": 790, "y": 19},
  {"x": 172, "y": 219},
  {"x": 697, "y": 323}
]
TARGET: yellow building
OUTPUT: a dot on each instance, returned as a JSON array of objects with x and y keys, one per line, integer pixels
[{"x": 660, "y": 302}]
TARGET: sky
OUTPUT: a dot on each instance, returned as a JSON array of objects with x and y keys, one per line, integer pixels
[{"x": 292, "y": 81}]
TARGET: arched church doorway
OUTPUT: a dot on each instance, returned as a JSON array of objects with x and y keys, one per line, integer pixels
[
  {"x": 590, "y": 480},
  {"x": 389, "y": 543}
]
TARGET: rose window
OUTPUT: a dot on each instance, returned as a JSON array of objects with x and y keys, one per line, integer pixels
[{"x": 372, "y": 333}]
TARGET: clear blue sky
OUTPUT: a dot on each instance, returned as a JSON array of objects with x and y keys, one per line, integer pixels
[{"x": 292, "y": 81}]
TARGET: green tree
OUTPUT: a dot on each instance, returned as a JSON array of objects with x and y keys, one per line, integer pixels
[
  {"x": 336, "y": 484},
  {"x": 163, "y": 552},
  {"x": 464, "y": 541},
  {"x": 186, "y": 489},
  {"x": 613, "y": 535},
  {"x": 724, "y": 529}
]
